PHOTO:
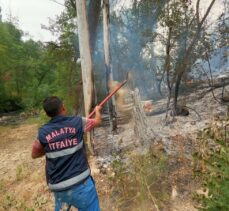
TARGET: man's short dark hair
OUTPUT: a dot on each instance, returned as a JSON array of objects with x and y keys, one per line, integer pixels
[{"x": 52, "y": 106}]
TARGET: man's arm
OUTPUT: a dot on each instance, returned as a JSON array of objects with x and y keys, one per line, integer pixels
[
  {"x": 37, "y": 150},
  {"x": 89, "y": 124},
  {"x": 98, "y": 118}
]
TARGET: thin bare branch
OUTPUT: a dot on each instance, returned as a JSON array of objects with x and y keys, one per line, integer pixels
[
  {"x": 57, "y": 2},
  {"x": 150, "y": 194},
  {"x": 207, "y": 12},
  {"x": 195, "y": 38},
  {"x": 198, "y": 12}
]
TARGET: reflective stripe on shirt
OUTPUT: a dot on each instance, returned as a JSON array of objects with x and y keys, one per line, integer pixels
[
  {"x": 67, "y": 183},
  {"x": 65, "y": 151}
]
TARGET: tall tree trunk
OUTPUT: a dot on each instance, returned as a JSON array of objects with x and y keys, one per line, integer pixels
[
  {"x": 167, "y": 69},
  {"x": 176, "y": 91},
  {"x": 107, "y": 57},
  {"x": 94, "y": 9},
  {"x": 86, "y": 60}
]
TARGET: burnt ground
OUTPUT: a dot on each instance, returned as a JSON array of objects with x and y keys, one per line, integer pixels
[
  {"x": 22, "y": 180},
  {"x": 177, "y": 139}
]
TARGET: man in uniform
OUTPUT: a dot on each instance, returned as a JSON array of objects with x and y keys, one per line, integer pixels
[{"x": 67, "y": 170}]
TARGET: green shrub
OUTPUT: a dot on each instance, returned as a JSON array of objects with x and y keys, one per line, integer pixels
[{"x": 212, "y": 166}]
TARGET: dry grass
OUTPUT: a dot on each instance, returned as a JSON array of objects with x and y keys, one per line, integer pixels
[{"x": 22, "y": 180}]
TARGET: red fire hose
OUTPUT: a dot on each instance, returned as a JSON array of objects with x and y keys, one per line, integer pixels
[{"x": 110, "y": 95}]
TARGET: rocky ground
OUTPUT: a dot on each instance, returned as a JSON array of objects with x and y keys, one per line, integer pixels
[{"x": 22, "y": 180}]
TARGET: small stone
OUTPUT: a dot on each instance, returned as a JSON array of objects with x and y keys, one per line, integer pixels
[{"x": 193, "y": 122}]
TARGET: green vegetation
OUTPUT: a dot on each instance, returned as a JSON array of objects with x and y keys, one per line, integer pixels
[
  {"x": 19, "y": 175},
  {"x": 10, "y": 202},
  {"x": 141, "y": 182},
  {"x": 2, "y": 186},
  {"x": 30, "y": 71},
  {"x": 40, "y": 201},
  {"x": 159, "y": 41},
  {"x": 212, "y": 166}
]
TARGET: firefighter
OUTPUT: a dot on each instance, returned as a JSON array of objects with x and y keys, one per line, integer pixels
[{"x": 67, "y": 171}]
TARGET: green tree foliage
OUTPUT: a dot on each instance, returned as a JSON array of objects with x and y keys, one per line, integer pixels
[
  {"x": 10, "y": 65},
  {"x": 64, "y": 52},
  {"x": 26, "y": 71},
  {"x": 31, "y": 70}
]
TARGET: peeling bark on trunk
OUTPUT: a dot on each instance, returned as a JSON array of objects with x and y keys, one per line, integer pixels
[
  {"x": 86, "y": 60},
  {"x": 94, "y": 9},
  {"x": 142, "y": 128},
  {"x": 107, "y": 57}
]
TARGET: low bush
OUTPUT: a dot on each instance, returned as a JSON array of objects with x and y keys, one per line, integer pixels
[
  {"x": 141, "y": 182},
  {"x": 211, "y": 165}
]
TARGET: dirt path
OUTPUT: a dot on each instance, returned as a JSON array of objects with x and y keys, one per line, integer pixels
[
  {"x": 15, "y": 146},
  {"x": 22, "y": 179}
]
